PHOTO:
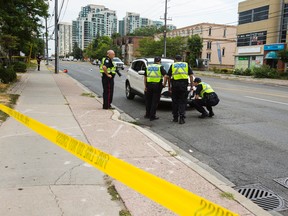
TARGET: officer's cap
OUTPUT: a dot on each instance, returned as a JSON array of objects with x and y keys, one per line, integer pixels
[
  {"x": 178, "y": 57},
  {"x": 157, "y": 59},
  {"x": 197, "y": 80}
]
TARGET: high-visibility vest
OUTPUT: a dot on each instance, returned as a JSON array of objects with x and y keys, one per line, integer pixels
[
  {"x": 180, "y": 70},
  {"x": 206, "y": 88},
  {"x": 154, "y": 73},
  {"x": 109, "y": 70}
]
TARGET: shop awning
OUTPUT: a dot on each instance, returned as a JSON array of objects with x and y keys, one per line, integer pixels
[{"x": 271, "y": 55}]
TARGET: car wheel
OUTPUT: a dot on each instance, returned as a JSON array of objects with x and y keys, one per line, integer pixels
[
  {"x": 129, "y": 94},
  {"x": 122, "y": 68}
]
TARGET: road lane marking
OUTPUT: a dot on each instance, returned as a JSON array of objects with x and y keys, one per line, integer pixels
[{"x": 271, "y": 101}]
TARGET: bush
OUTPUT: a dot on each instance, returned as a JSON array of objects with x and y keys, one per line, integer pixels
[
  {"x": 238, "y": 71},
  {"x": 247, "y": 72},
  {"x": 265, "y": 72},
  {"x": 20, "y": 67},
  {"x": 7, "y": 74}
]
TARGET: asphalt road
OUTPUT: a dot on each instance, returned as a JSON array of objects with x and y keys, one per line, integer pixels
[{"x": 246, "y": 141}]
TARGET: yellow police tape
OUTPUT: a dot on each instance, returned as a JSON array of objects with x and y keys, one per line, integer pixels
[{"x": 175, "y": 198}]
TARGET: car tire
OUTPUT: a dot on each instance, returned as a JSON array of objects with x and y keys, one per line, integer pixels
[{"x": 129, "y": 94}]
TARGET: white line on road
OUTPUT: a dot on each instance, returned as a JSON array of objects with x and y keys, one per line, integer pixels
[{"x": 267, "y": 100}]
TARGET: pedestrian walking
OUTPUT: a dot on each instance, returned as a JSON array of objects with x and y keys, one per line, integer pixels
[
  {"x": 38, "y": 58},
  {"x": 108, "y": 71},
  {"x": 153, "y": 81},
  {"x": 179, "y": 74},
  {"x": 205, "y": 96}
]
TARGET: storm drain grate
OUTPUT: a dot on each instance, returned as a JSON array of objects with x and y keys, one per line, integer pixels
[
  {"x": 263, "y": 197},
  {"x": 282, "y": 181}
]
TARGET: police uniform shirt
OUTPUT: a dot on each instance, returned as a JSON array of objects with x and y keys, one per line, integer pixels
[
  {"x": 162, "y": 70},
  {"x": 198, "y": 89},
  {"x": 190, "y": 72},
  {"x": 108, "y": 62}
]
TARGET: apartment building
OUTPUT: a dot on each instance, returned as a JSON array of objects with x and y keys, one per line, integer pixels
[
  {"x": 93, "y": 21},
  {"x": 132, "y": 21},
  {"x": 261, "y": 33},
  {"x": 219, "y": 42},
  {"x": 65, "y": 38}
]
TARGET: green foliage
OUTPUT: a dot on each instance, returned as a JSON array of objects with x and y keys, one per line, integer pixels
[
  {"x": 21, "y": 19},
  {"x": 7, "y": 74},
  {"x": 77, "y": 52},
  {"x": 147, "y": 31},
  {"x": 265, "y": 72},
  {"x": 98, "y": 48},
  {"x": 149, "y": 47},
  {"x": 20, "y": 67},
  {"x": 194, "y": 45},
  {"x": 283, "y": 54}
]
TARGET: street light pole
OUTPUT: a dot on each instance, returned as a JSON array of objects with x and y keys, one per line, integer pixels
[{"x": 56, "y": 38}]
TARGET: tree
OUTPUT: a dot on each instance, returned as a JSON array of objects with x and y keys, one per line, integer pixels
[
  {"x": 98, "y": 48},
  {"x": 194, "y": 45},
  {"x": 77, "y": 52},
  {"x": 21, "y": 19},
  {"x": 149, "y": 47}
]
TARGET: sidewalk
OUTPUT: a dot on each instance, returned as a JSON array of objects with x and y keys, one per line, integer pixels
[{"x": 39, "y": 178}]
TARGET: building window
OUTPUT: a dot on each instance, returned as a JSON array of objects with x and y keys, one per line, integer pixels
[
  {"x": 208, "y": 56},
  {"x": 254, "y": 15},
  {"x": 223, "y": 51},
  {"x": 224, "y": 33},
  {"x": 209, "y": 44},
  {"x": 209, "y": 31},
  {"x": 251, "y": 39},
  {"x": 284, "y": 24}
]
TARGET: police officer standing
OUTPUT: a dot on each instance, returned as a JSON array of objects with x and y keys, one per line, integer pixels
[
  {"x": 179, "y": 73},
  {"x": 208, "y": 98},
  {"x": 108, "y": 71},
  {"x": 153, "y": 82}
]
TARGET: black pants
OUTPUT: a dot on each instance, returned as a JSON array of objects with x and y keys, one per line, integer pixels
[
  {"x": 179, "y": 100},
  {"x": 199, "y": 106},
  {"x": 108, "y": 89},
  {"x": 152, "y": 98}
]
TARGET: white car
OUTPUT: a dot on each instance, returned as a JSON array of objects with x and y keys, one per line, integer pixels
[
  {"x": 134, "y": 84},
  {"x": 118, "y": 63}
]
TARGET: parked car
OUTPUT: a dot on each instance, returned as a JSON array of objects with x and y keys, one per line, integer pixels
[
  {"x": 118, "y": 63},
  {"x": 134, "y": 84}
]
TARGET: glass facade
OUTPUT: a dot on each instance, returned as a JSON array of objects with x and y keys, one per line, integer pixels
[
  {"x": 284, "y": 24},
  {"x": 254, "y": 15},
  {"x": 250, "y": 39}
]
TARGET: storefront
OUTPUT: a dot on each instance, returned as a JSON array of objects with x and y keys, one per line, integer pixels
[
  {"x": 271, "y": 57},
  {"x": 248, "y": 57}
]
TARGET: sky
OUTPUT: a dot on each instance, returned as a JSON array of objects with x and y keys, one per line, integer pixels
[{"x": 181, "y": 12}]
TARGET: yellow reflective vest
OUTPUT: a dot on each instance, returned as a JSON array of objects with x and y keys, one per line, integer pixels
[
  {"x": 206, "y": 88},
  {"x": 109, "y": 70},
  {"x": 154, "y": 73},
  {"x": 180, "y": 70}
]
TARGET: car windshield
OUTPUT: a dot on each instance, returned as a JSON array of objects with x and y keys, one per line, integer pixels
[
  {"x": 116, "y": 60},
  {"x": 165, "y": 63}
]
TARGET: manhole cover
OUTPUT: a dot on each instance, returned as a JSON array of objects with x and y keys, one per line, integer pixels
[
  {"x": 282, "y": 181},
  {"x": 263, "y": 197}
]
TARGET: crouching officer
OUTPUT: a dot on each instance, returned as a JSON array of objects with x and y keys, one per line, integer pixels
[
  {"x": 153, "y": 81},
  {"x": 208, "y": 98},
  {"x": 108, "y": 71}
]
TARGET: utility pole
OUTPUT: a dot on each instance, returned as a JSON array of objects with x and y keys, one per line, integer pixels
[
  {"x": 165, "y": 28},
  {"x": 47, "y": 58},
  {"x": 56, "y": 38}
]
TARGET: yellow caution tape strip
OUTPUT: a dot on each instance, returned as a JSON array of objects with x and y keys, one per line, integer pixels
[{"x": 173, "y": 197}]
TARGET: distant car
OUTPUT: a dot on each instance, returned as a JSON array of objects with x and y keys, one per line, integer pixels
[
  {"x": 51, "y": 58},
  {"x": 118, "y": 63},
  {"x": 134, "y": 84}
]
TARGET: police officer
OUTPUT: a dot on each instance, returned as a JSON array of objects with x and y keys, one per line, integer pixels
[
  {"x": 179, "y": 73},
  {"x": 208, "y": 98},
  {"x": 153, "y": 81},
  {"x": 38, "y": 58},
  {"x": 108, "y": 71}
]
